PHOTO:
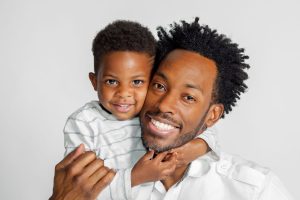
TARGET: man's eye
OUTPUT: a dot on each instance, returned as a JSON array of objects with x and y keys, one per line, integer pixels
[
  {"x": 189, "y": 98},
  {"x": 137, "y": 82},
  {"x": 159, "y": 87},
  {"x": 111, "y": 82}
]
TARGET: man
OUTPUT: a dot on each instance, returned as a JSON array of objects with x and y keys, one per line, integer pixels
[{"x": 200, "y": 76}]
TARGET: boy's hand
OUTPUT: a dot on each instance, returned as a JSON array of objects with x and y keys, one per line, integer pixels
[
  {"x": 149, "y": 169},
  {"x": 190, "y": 151},
  {"x": 80, "y": 176}
]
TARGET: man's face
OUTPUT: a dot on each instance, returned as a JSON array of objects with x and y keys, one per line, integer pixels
[{"x": 178, "y": 102}]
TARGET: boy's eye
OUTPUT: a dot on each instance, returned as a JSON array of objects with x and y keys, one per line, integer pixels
[
  {"x": 137, "y": 82},
  {"x": 111, "y": 82},
  {"x": 159, "y": 87},
  {"x": 189, "y": 98}
]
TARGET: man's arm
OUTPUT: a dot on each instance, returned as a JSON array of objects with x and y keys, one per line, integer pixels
[{"x": 80, "y": 176}]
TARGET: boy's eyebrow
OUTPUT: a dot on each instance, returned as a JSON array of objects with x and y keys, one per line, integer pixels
[
  {"x": 110, "y": 75},
  {"x": 138, "y": 76},
  {"x": 135, "y": 76}
]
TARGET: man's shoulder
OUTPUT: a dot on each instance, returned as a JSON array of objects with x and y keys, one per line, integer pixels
[{"x": 241, "y": 170}]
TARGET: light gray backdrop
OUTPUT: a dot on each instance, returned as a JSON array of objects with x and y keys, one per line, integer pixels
[{"x": 45, "y": 57}]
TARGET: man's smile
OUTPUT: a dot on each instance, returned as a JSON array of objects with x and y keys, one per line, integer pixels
[{"x": 161, "y": 127}]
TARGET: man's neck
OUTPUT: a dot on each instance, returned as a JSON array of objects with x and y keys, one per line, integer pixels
[{"x": 171, "y": 180}]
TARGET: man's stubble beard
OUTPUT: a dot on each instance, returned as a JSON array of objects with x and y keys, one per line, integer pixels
[{"x": 181, "y": 140}]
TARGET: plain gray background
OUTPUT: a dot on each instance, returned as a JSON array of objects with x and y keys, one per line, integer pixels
[{"x": 45, "y": 57}]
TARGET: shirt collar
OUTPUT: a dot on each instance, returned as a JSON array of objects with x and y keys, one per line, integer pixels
[{"x": 104, "y": 113}]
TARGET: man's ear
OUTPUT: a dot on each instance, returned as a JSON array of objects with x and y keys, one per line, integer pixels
[
  {"x": 93, "y": 80},
  {"x": 214, "y": 114}
]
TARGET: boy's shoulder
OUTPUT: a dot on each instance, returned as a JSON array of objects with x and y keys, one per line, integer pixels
[{"x": 88, "y": 112}]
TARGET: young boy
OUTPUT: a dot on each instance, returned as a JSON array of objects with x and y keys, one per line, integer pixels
[{"x": 123, "y": 57}]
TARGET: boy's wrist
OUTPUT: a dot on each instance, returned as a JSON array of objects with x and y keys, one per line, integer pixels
[{"x": 134, "y": 178}]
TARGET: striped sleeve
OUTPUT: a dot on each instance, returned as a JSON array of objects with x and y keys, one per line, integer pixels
[
  {"x": 210, "y": 137},
  {"x": 76, "y": 132}
]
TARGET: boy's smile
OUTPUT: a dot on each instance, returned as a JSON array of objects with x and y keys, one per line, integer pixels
[{"x": 122, "y": 82}]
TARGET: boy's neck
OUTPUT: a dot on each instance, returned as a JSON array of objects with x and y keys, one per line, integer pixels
[
  {"x": 178, "y": 174},
  {"x": 104, "y": 108}
]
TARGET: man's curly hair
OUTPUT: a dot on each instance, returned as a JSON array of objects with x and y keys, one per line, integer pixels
[
  {"x": 229, "y": 59},
  {"x": 122, "y": 35}
]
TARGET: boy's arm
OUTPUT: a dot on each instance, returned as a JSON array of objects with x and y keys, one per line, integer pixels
[
  {"x": 199, "y": 146},
  {"x": 77, "y": 132},
  {"x": 149, "y": 169}
]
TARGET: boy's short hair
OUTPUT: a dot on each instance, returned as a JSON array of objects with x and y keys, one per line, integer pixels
[{"x": 122, "y": 35}]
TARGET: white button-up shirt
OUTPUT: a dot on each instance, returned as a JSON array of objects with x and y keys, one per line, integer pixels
[{"x": 218, "y": 177}]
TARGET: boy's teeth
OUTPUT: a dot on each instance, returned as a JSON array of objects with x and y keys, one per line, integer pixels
[{"x": 162, "y": 126}]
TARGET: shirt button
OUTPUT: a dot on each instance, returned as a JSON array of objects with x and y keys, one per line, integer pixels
[{"x": 224, "y": 167}]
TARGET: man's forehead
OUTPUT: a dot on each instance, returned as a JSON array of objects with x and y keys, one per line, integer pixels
[{"x": 193, "y": 67}]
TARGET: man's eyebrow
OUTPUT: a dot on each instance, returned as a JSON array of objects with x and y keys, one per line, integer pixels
[
  {"x": 162, "y": 75},
  {"x": 194, "y": 87}
]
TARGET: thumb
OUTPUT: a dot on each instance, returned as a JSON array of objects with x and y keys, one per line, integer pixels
[{"x": 71, "y": 157}]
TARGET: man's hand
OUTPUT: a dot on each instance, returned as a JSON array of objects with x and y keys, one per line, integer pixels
[
  {"x": 149, "y": 169},
  {"x": 80, "y": 176}
]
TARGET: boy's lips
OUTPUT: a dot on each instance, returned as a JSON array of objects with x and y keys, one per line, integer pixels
[{"x": 122, "y": 107}]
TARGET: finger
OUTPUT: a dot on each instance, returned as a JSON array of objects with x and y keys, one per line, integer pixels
[
  {"x": 77, "y": 166},
  {"x": 170, "y": 162},
  {"x": 70, "y": 157},
  {"x": 93, "y": 167},
  {"x": 102, "y": 183},
  {"x": 98, "y": 175},
  {"x": 159, "y": 157},
  {"x": 149, "y": 155}
]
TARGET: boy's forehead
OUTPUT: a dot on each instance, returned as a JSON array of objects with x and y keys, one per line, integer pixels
[{"x": 124, "y": 62}]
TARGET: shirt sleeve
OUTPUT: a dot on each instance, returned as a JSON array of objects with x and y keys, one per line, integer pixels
[
  {"x": 119, "y": 188},
  {"x": 210, "y": 136},
  {"x": 78, "y": 132},
  {"x": 274, "y": 190}
]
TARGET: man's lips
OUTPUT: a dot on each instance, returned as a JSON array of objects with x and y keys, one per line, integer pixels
[
  {"x": 163, "y": 120},
  {"x": 161, "y": 127}
]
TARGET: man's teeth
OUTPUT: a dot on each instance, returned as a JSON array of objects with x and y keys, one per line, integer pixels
[{"x": 162, "y": 126}]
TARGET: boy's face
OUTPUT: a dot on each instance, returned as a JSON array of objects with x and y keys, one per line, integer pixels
[{"x": 122, "y": 82}]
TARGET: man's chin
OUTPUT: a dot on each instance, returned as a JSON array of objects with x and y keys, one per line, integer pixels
[{"x": 154, "y": 143}]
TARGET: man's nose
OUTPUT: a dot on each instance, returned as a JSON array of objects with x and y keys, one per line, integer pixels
[
  {"x": 124, "y": 91},
  {"x": 168, "y": 103}
]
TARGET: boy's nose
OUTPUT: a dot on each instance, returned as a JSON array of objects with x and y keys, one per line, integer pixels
[{"x": 124, "y": 92}]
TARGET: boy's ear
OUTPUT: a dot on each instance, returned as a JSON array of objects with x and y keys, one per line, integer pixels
[
  {"x": 214, "y": 114},
  {"x": 93, "y": 80}
]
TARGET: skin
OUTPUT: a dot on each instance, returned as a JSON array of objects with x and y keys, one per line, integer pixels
[
  {"x": 179, "y": 97},
  {"x": 80, "y": 176},
  {"x": 122, "y": 82},
  {"x": 188, "y": 116}
]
